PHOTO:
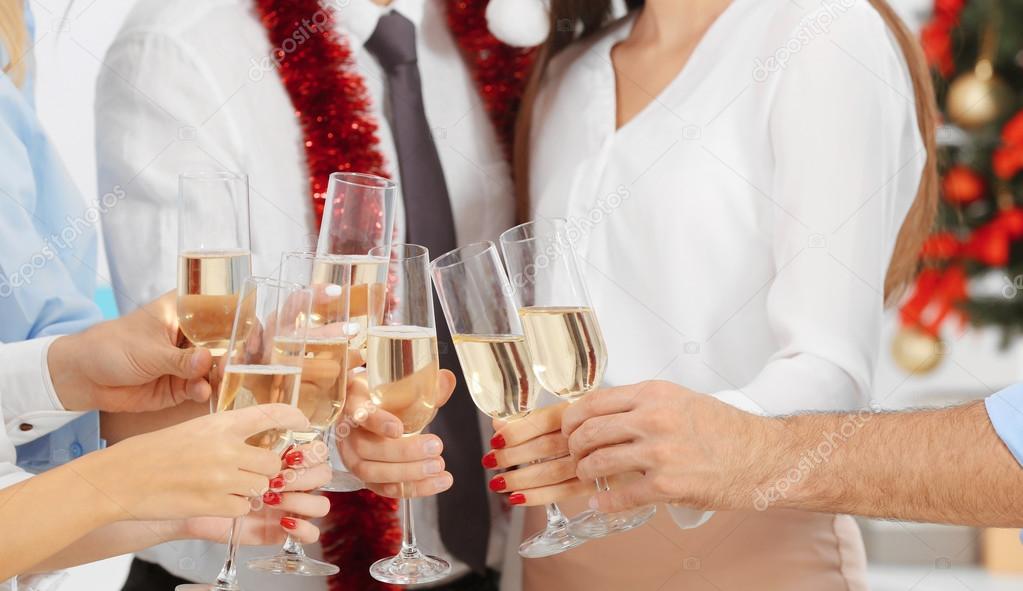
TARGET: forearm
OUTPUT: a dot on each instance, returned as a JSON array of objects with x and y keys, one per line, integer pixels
[
  {"x": 45, "y": 514},
  {"x": 943, "y": 466},
  {"x": 112, "y": 540}
]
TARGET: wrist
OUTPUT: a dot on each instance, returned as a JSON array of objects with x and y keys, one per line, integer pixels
[
  {"x": 769, "y": 466},
  {"x": 106, "y": 486},
  {"x": 63, "y": 363}
]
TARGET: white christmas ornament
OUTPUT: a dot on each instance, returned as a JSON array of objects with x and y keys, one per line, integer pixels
[{"x": 519, "y": 23}]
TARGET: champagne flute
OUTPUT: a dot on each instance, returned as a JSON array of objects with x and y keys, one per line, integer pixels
[
  {"x": 476, "y": 297},
  {"x": 563, "y": 337},
  {"x": 257, "y": 370},
  {"x": 324, "y": 382},
  {"x": 358, "y": 217},
  {"x": 402, "y": 369},
  {"x": 213, "y": 256}
]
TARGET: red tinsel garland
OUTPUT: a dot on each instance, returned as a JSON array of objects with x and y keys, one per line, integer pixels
[{"x": 333, "y": 109}]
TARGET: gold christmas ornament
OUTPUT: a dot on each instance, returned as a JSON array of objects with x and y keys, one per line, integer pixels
[
  {"x": 978, "y": 98},
  {"x": 916, "y": 351}
]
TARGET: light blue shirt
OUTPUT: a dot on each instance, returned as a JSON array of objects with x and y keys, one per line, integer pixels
[
  {"x": 1005, "y": 409},
  {"x": 47, "y": 250}
]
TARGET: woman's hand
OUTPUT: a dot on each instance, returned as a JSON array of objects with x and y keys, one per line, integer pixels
[
  {"x": 284, "y": 509},
  {"x": 373, "y": 449},
  {"x": 681, "y": 441},
  {"x": 534, "y": 438},
  {"x": 202, "y": 467},
  {"x": 131, "y": 364}
]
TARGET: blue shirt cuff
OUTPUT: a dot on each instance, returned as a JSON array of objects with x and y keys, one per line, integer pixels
[
  {"x": 59, "y": 447},
  {"x": 1005, "y": 410}
]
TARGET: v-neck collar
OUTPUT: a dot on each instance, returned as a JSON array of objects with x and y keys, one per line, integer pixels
[{"x": 676, "y": 90}]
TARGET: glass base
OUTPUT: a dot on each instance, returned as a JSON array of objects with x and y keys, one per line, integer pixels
[
  {"x": 551, "y": 541},
  {"x": 290, "y": 564},
  {"x": 207, "y": 587},
  {"x": 410, "y": 570},
  {"x": 343, "y": 482},
  {"x": 594, "y": 524}
]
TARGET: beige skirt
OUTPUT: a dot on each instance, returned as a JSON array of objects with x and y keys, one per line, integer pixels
[{"x": 736, "y": 550}]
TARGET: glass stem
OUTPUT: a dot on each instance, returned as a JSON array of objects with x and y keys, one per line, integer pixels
[
  {"x": 409, "y": 549},
  {"x": 227, "y": 580},
  {"x": 603, "y": 485},
  {"x": 292, "y": 548},
  {"x": 555, "y": 518}
]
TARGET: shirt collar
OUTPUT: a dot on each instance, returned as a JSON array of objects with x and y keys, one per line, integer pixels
[{"x": 358, "y": 18}]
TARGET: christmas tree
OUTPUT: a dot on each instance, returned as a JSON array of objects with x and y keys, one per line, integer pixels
[{"x": 973, "y": 262}]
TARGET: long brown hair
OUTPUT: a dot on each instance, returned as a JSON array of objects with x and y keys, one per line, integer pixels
[
  {"x": 14, "y": 36},
  {"x": 574, "y": 19}
]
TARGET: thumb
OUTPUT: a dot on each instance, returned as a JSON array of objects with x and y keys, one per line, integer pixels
[
  {"x": 446, "y": 382},
  {"x": 624, "y": 497},
  {"x": 185, "y": 363},
  {"x": 263, "y": 417}
]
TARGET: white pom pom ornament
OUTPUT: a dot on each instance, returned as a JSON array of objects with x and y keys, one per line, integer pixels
[{"x": 519, "y": 23}]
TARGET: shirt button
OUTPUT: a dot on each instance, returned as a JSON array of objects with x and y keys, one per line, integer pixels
[
  {"x": 76, "y": 450},
  {"x": 25, "y": 427}
]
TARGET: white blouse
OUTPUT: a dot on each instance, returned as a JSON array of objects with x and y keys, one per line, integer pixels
[{"x": 736, "y": 233}]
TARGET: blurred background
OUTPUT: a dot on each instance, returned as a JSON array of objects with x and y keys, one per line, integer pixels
[{"x": 955, "y": 337}]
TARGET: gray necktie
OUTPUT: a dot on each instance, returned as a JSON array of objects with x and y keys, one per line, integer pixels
[{"x": 464, "y": 511}]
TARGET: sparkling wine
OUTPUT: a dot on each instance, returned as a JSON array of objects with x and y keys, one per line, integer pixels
[
  {"x": 498, "y": 373},
  {"x": 402, "y": 368},
  {"x": 366, "y": 301},
  {"x": 324, "y": 382},
  {"x": 248, "y": 385},
  {"x": 567, "y": 348},
  {"x": 208, "y": 285}
]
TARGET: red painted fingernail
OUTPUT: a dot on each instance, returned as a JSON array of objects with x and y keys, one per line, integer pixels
[
  {"x": 497, "y": 484},
  {"x": 517, "y": 499},
  {"x": 490, "y": 460},
  {"x": 277, "y": 482},
  {"x": 293, "y": 458},
  {"x": 271, "y": 498},
  {"x": 288, "y": 523},
  {"x": 497, "y": 441}
]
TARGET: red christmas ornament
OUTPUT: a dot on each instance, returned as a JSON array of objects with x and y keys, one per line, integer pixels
[
  {"x": 940, "y": 246},
  {"x": 962, "y": 185},
  {"x": 1012, "y": 133},
  {"x": 949, "y": 9},
  {"x": 989, "y": 244},
  {"x": 1011, "y": 220},
  {"x": 333, "y": 108},
  {"x": 1007, "y": 161},
  {"x": 936, "y": 40}
]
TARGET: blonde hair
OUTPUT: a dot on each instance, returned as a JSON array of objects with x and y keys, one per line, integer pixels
[
  {"x": 589, "y": 15},
  {"x": 14, "y": 36}
]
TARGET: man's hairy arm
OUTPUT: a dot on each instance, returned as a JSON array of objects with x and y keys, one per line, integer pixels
[{"x": 943, "y": 466}]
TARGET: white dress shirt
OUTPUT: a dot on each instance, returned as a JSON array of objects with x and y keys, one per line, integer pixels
[
  {"x": 189, "y": 85},
  {"x": 736, "y": 232},
  {"x": 30, "y": 408}
]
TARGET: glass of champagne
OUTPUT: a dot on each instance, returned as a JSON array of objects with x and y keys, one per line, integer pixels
[
  {"x": 402, "y": 368},
  {"x": 257, "y": 370},
  {"x": 324, "y": 382},
  {"x": 477, "y": 299},
  {"x": 213, "y": 255},
  {"x": 358, "y": 218},
  {"x": 563, "y": 337}
]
